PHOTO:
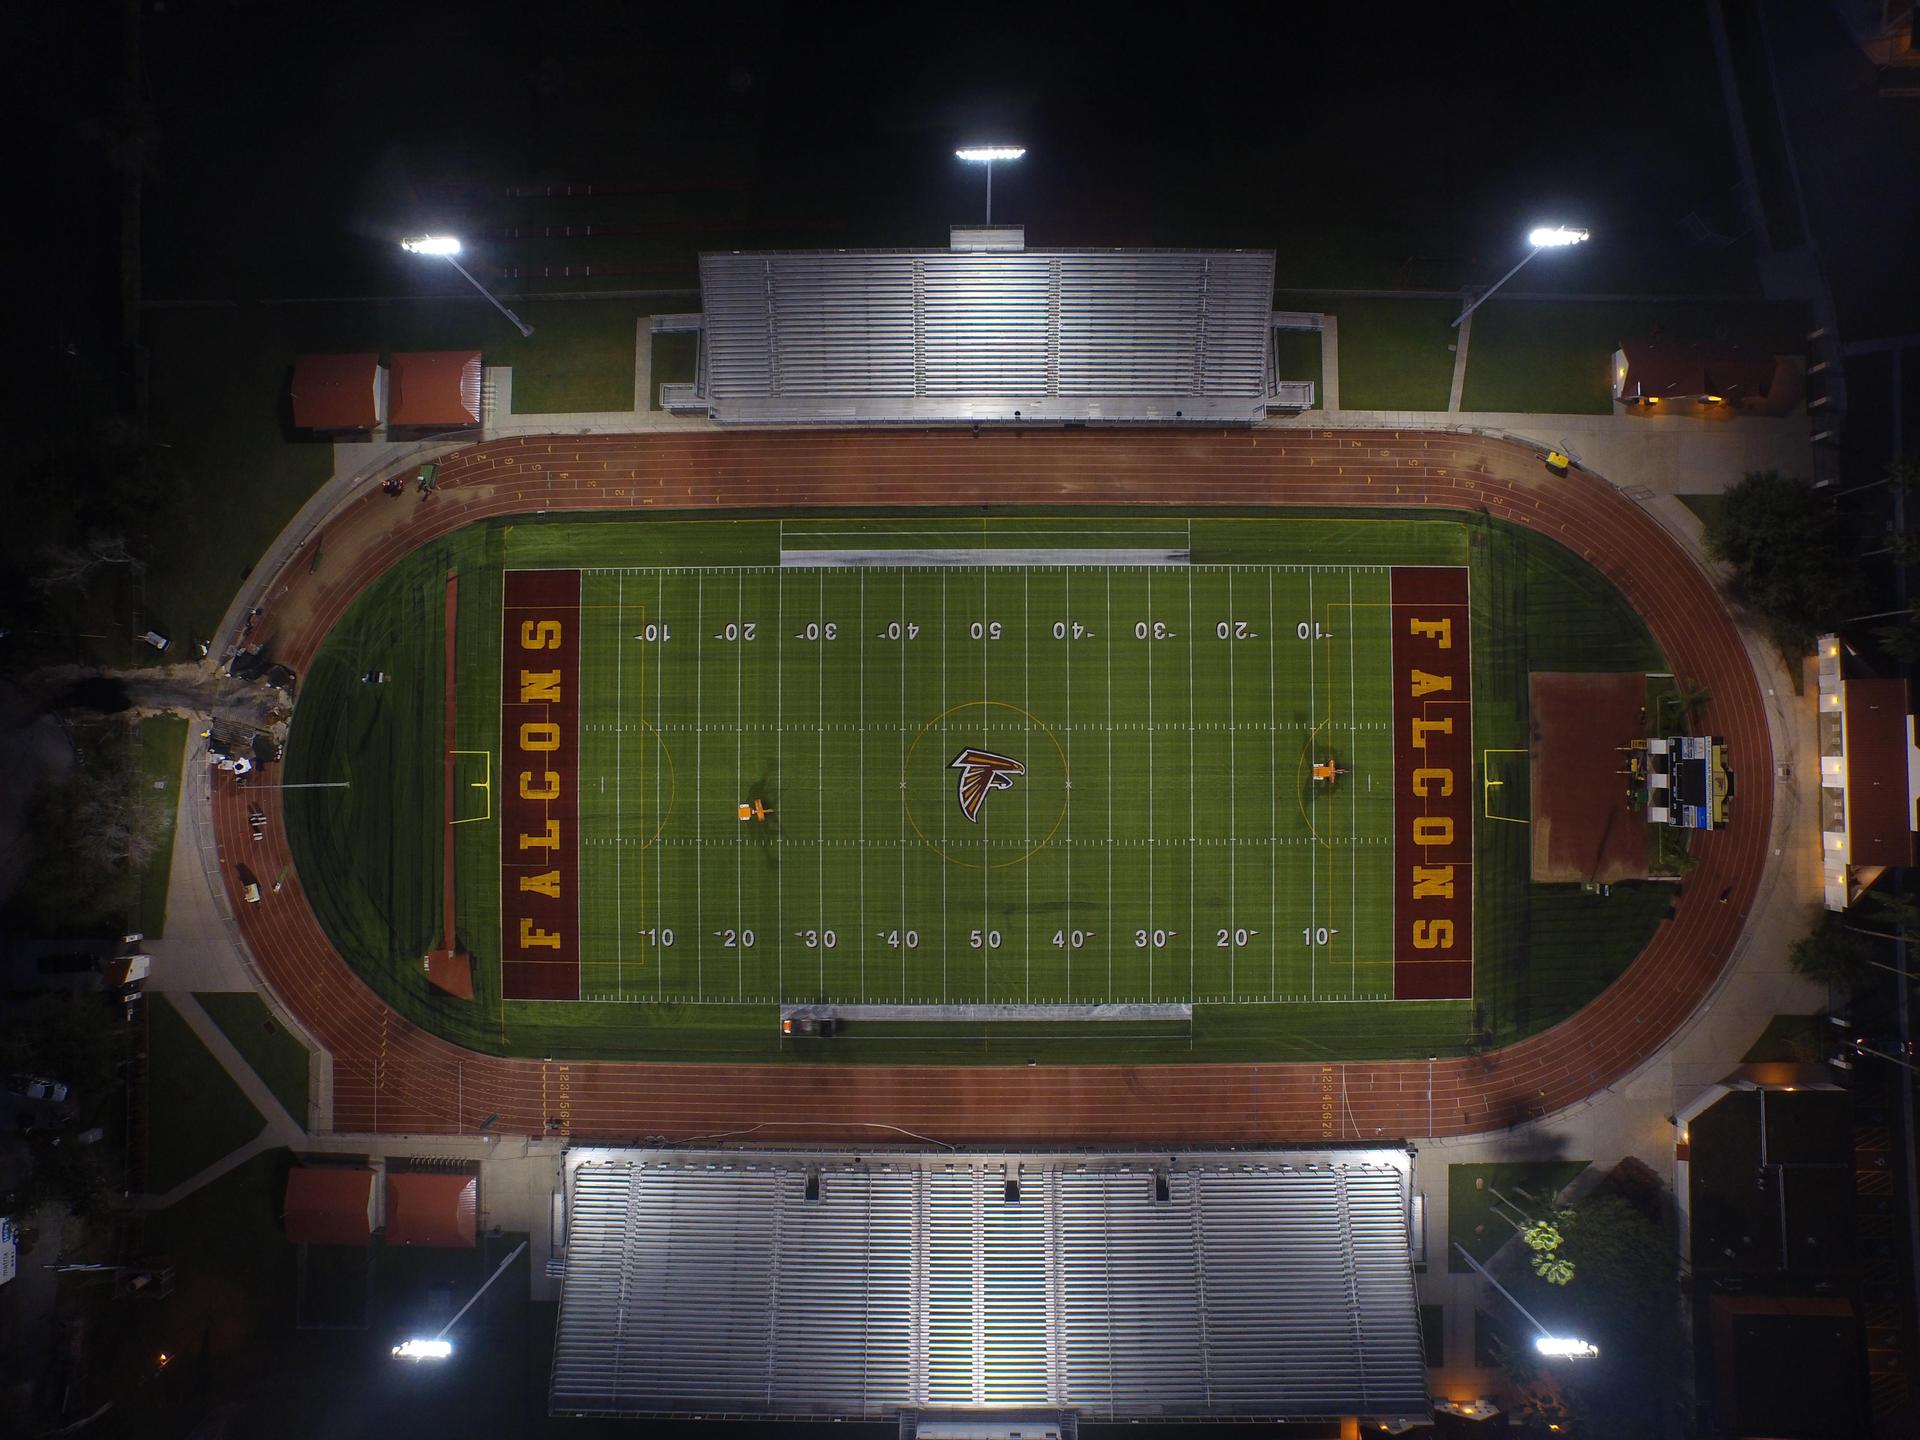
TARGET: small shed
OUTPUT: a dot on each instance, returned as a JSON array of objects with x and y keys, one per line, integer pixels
[
  {"x": 433, "y": 1209},
  {"x": 339, "y": 392},
  {"x": 329, "y": 1206},
  {"x": 436, "y": 389}
]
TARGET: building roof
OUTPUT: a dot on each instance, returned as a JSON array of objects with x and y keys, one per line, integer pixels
[
  {"x": 1686, "y": 369},
  {"x": 1248, "y": 1285},
  {"x": 849, "y": 337},
  {"x": 431, "y": 1209},
  {"x": 337, "y": 392},
  {"x": 439, "y": 388},
  {"x": 1880, "y": 815},
  {"x": 328, "y": 1205}
]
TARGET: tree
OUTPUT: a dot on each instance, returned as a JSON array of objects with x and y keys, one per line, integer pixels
[
  {"x": 1832, "y": 955},
  {"x": 1900, "y": 642},
  {"x": 70, "y": 567},
  {"x": 95, "y": 830},
  {"x": 1782, "y": 541}
]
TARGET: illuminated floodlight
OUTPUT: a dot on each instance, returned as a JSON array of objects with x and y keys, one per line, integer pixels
[
  {"x": 1545, "y": 237},
  {"x": 986, "y": 155},
  {"x": 1541, "y": 237},
  {"x": 430, "y": 245},
  {"x": 1563, "y": 1347},
  {"x": 424, "y": 1349}
]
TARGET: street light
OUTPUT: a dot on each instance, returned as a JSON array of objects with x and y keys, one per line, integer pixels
[
  {"x": 438, "y": 1347},
  {"x": 1541, "y": 237},
  {"x": 447, "y": 247},
  {"x": 1550, "y": 1345},
  {"x": 986, "y": 155}
]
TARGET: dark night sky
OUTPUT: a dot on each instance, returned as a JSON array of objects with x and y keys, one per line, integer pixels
[{"x": 1374, "y": 145}]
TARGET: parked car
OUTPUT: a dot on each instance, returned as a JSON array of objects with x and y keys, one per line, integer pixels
[{"x": 36, "y": 1087}]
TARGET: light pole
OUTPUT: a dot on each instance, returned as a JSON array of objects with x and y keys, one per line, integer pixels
[
  {"x": 446, "y": 247},
  {"x": 1550, "y": 1345},
  {"x": 986, "y": 155},
  {"x": 438, "y": 1347},
  {"x": 1542, "y": 237}
]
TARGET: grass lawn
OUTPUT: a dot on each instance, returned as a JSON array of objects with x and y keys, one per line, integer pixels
[
  {"x": 1795, "y": 1039},
  {"x": 276, "y": 1057},
  {"x": 880, "y": 917},
  {"x": 1553, "y": 356},
  {"x": 1394, "y": 354},
  {"x": 1472, "y": 1218},
  {"x": 675, "y": 359},
  {"x": 1296, "y": 356},
  {"x": 195, "y": 1113},
  {"x": 163, "y": 740},
  {"x": 1706, "y": 508}
]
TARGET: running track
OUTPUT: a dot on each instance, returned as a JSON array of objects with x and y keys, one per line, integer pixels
[{"x": 391, "y": 1076}]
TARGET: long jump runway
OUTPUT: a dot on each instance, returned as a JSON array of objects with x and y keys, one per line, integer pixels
[{"x": 391, "y": 1076}]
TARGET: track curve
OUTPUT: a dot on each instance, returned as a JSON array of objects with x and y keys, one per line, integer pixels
[{"x": 392, "y": 1076}]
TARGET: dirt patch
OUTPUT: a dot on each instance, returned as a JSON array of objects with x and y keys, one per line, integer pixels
[{"x": 1583, "y": 826}]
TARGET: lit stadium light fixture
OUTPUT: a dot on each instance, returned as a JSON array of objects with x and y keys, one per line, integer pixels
[
  {"x": 446, "y": 247},
  {"x": 1541, "y": 237},
  {"x": 1564, "y": 1347},
  {"x": 430, "y": 245},
  {"x": 424, "y": 1349},
  {"x": 986, "y": 155}
]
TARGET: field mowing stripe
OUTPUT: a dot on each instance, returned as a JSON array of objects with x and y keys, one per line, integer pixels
[
  {"x": 1193, "y": 933},
  {"x": 945, "y": 931},
  {"x": 863, "y": 784},
  {"x": 739, "y": 848},
  {"x": 820, "y": 780},
  {"x": 619, "y": 737},
  {"x": 779, "y": 783},
  {"x": 1273, "y": 813},
  {"x": 902, "y": 935},
  {"x": 1313, "y": 869},
  {"x": 659, "y": 805},
  {"x": 1353, "y": 804},
  {"x": 1233, "y": 808},
  {"x": 700, "y": 851},
  {"x": 1152, "y": 832},
  {"x": 1026, "y": 704},
  {"x": 1067, "y": 675},
  {"x": 1110, "y": 914}
]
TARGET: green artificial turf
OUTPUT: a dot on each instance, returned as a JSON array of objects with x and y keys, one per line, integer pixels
[
  {"x": 1474, "y": 1220},
  {"x": 677, "y": 731},
  {"x": 1554, "y": 356},
  {"x": 276, "y": 1057},
  {"x": 195, "y": 1113},
  {"x": 163, "y": 740}
]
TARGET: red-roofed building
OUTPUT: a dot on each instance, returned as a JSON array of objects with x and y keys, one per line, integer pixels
[
  {"x": 1869, "y": 776},
  {"x": 436, "y": 389},
  {"x": 329, "y": 1206},
  {"x": 433, "y": 1209},
  {"x": 1706, "y": 375},
  {"x": 339, "y": 392}
]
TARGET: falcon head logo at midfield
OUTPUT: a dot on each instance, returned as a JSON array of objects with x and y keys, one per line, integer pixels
[{"x": 981, "y": 771}]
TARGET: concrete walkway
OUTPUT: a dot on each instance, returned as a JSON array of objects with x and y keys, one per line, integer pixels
[{"x": 1462, "y": 337}]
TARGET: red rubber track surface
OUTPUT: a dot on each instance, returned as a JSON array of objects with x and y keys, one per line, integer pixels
[{"x": 389, "y": 1075}]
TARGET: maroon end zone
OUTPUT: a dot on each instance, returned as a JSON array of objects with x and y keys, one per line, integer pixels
[
  {"x": 539, "y": 786},
  {"x": 1432, "y": 785}
]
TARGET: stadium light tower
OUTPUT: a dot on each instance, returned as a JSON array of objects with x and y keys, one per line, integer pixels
[
  {"x": 446, "y": 247},
  {"x": 1541, "y": 237},
  {"x": 438, "y": 1347},
  {"x": 986, "y": 155}
]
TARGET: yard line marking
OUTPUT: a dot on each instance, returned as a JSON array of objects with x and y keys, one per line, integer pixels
[
  {"x": 903, "y": 789},
  {"x": 1273, "y": 810},
  {"x": 1193, "y": 932},
  {"x": 1110, "y": 922},
  {"x": 1152, "y": 832},
  {"x": 1353, "y": 751},
  {"x": 1068, "y": 675},
  {"x": 619, "y": 850},
  {"x": 1233, "y": 808},
  {"x": 863, "y": 784},
  {"x": 700, "y": 849},
  {"x": 1026, "y": 704},
  {"x": 820, "y": 777},
  {"x": 779, "y": 781},
  {"x": 1313, "y": 865},
  {"x": 944, "y": 931},
  {"x": 659, "y": 809},
  {"x": 986, "y": 850},
  {"x": 739, "y": 846}
]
